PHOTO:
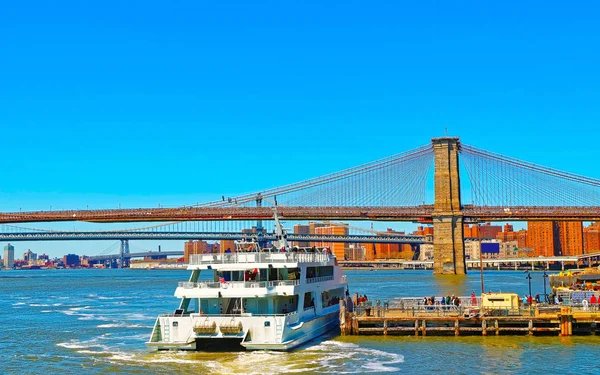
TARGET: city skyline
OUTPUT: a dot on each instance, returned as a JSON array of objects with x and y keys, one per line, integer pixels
[
  {"x": 133, "y": 107},
  {"x": 540, "y": 238}
]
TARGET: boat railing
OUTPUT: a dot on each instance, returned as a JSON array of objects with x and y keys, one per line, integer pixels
[
  {"x": 237, "y": 284},
  {"x": 412, "y": 301},
  {"x": 318, "y": 279},
  {"x": 283, "y": 283},
  {"x": 235, "y": 258}
]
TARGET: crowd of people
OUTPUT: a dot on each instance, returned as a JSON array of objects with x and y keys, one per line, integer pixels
[{"x": 452, "y": 300}]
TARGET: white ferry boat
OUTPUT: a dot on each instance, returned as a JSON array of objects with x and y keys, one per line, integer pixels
[{"x": 263, "y": 300}]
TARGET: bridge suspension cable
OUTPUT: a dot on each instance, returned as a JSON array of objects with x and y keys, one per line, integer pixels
[
  {"x": 498, "y": 180},
  {"x": 398, "y": 180}
]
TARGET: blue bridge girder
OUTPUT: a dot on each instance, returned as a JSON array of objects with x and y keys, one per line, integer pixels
[
  {"x": 102, "y": 258},
  {"x": 154, "y": 235}
]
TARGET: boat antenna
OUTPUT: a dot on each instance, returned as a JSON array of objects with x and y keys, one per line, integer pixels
[{"x": 279, "y": 232}]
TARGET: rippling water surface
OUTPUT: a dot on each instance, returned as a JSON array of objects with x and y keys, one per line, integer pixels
[{"x": 97, "y": 321}]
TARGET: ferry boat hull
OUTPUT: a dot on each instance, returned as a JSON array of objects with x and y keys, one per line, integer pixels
[
  {"x": 252, "y": 314},
  {"x": 290, "y": 337}
]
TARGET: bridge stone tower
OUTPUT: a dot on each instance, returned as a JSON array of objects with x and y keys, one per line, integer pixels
[
  {"x": 448, "y": 240},
  {"x": 122, "y": 253}
]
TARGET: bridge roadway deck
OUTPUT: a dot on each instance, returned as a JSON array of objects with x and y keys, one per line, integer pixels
[{"x": 423, "y": 213}]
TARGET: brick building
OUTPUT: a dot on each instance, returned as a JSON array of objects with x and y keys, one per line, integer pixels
[
  {"x": 337, "y": 248},
  {"x": 486, "y": 231},
  {"x": 555, "y": 238},
  {"x": 301, "y": 229},
  {"x": 570, "y": 235},
  {"x": 591, "y": 238}
]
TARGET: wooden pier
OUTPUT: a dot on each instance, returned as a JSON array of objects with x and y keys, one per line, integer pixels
[{"x": 537, "y": 320}]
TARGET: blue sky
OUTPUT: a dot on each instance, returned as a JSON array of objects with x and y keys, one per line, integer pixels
[{"x": 141, "y": 102}]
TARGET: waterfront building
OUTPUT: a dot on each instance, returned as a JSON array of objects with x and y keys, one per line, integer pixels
[
  {"x": 426, "y": 251},
  {"x": 227, "y": 245},
  {"x": 198, "y": 247},
  {"x": 356, "y": 251},
  {"x": 510, "y": 235},
  {"x": 30, "y": 257},
  {"x": 541, "y": 237},
  {"x": 570, "y": 234},
  {"x": 472, "y": 249},
  {"x": 591, "y": 238},
  {"x": 337, "y": 248},
  {"x": 486, "y": 231},
  {"x": 71, "y": 260},
  {"x": 488, "y": 249},
  {"x": 555, "y": 238},
  {"x": 301, "y": 229},
  {"x": 509, "y": 249},
  {"x": 387, "y": 250},
  {"x": 9, "y": 256},
  {"x": 370, "y": 251}
]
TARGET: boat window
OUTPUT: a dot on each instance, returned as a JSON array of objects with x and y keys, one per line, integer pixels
[
  {"x": 332, "y": 297},
  {"x": 309, "y": 300},
  {"x": 251, "y": 274},
  {"x": 312, "y": 272},
  {"x": 293, "y": 274},
  {"x": 286, "y": 305}
]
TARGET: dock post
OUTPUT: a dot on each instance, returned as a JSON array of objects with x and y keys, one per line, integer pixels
[
  {"x": 424, "y": 328},
  {"x": 484, "y": 327},
  {"x": 530, "y": 327},
  {"x": 456, "y": 328},
  {"x": 385, "y": 327},
  {"x": 355, "y": 325},
  {"x": 416, "y": 328},
  {"x": 566, "y": 321},
  {"x": 497, "y": 328}
]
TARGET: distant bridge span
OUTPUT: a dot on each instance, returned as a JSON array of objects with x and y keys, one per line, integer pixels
[
  {"x": 102, "y": 258},
  {"x": 142, "y": 235}
]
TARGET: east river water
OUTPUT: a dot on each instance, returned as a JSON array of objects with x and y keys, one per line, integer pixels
[{"x": 97, "y": 321}]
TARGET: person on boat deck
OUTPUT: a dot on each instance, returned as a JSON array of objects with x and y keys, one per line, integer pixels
[
  {"x": 537, "y": 298},
  {"x": 593, "y": 301},
  {"x": 473, "y": 299}
]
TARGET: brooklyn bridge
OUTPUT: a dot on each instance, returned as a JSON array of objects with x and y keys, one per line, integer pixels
[{"x": 468, "y": 185}]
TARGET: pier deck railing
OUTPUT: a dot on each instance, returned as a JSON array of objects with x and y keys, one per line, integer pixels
[{"x": 414, "y": 307}]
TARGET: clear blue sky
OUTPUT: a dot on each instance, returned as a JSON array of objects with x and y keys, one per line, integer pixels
[{"x": 141, "y": 102}]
